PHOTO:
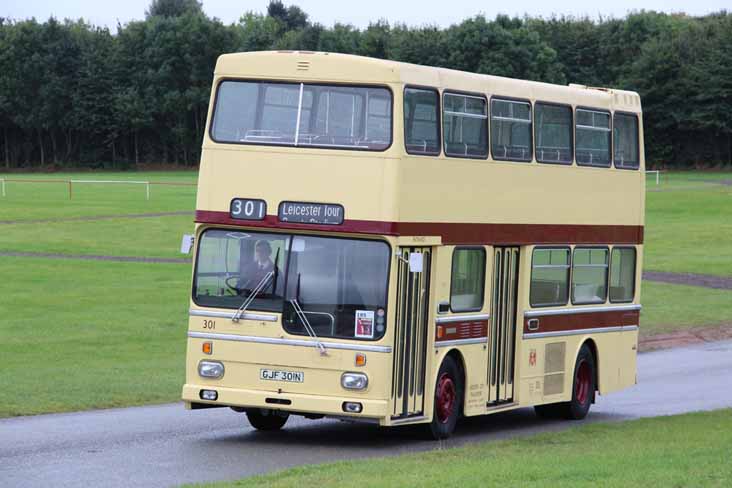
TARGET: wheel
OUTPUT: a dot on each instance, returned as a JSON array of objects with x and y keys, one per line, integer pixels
[
  {"x": 265, "y": 419},
  {"x": 448, "y": 400},
  {"x": 583, "y": 391}
]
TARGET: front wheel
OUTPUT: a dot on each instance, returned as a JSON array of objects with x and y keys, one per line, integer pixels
[
  {"x": 448, "y": 400},
  {"x": 265, "y": 419}
]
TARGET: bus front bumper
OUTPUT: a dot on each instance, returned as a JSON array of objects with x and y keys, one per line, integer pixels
[{"x": 290, "y": 402}]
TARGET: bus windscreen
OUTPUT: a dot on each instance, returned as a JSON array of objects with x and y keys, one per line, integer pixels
[
  {"x": 298, "y": 114},
  {"x": 333, "y": 287}
]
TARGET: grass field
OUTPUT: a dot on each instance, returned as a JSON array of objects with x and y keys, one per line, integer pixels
[
  {"x": 690, "y": 213},
  {"x": 91, "y": 334},
  {"x": 685, "y": 450}
]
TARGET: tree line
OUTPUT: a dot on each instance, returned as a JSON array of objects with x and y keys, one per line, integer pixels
[{"x": 75, "y": 95}]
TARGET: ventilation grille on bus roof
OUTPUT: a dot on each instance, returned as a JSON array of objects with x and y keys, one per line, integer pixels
[{"x": 303, "y": 65}]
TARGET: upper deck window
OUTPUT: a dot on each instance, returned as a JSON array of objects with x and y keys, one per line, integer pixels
[
  {"x": 296, "y": 114},
  {"x": 465, "y": 123},
  {"x": 553, "y": 126},
  {"x": 593, "y": 138},
  {"x": 511, "y": 130},
  {"x": 421, "y": 121},
  {"x": 625, "y": 132}
]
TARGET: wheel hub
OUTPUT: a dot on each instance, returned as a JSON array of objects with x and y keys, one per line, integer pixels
[
  {"x": 446, "y": 397},
  {"x": 582, "y": 382}
]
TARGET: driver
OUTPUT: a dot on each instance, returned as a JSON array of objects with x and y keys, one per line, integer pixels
[{"x": 257, "y": 269}]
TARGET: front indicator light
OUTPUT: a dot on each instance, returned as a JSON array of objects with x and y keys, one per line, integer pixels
[
  {"x": 354, "y": 381},
  {"x": 207, "y": 348},
  {"x": 210, "y": 395},
  {"x": 210, "y": 369}
]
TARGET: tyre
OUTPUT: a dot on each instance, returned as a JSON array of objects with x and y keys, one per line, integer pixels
[
  {"x": 265, "y": 419},
  {"x": 448, "y": 400},
  {"x": 583, "y": 390}
]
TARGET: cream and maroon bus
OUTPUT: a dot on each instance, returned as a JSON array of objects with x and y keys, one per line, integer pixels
[{"x": 402, "y": 244}]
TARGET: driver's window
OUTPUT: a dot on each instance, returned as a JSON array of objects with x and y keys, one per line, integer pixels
[{"x": 232, "y": 264}]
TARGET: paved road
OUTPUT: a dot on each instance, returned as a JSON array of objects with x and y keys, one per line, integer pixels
[{"x": 166, "y": 445}]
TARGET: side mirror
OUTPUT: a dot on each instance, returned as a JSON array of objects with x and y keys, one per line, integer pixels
[
  {"x": 186, "y": 243},
  {"x": 416, "y": 262}
]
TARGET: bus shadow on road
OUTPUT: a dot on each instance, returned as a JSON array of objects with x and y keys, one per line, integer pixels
[{"x": 339, "y": 434}]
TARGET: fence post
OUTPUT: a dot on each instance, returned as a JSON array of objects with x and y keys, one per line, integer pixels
[
  {"x": 70, "y": 191},
  {"x": 147, "y": 190}
]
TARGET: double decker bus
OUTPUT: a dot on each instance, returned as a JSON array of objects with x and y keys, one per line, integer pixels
[{"x": 401, "y": 244}]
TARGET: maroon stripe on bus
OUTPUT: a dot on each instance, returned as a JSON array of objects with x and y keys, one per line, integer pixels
[
  {"x": 455, "y": 233},
  {"x": 468, "y": 329},
  {"x": 588, "y": 320}
]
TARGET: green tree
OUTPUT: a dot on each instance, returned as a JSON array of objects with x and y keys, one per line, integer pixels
[{"x": 173, "y": 8}]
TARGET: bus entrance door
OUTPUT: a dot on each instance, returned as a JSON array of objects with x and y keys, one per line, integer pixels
[
  {"x": 502, "y": 337},
  {"x": 410, "y": 340}
]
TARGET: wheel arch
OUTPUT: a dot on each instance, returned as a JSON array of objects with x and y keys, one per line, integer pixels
[
  {"x": 457, "y": 356},
  {"x": 593, "y": 349}
]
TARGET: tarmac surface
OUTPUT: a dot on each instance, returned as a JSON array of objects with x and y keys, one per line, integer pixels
[{"x": 166, "y": 445}]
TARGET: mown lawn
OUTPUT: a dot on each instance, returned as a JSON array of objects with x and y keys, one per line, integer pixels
[
  {"x": 684, "y": 450},
  {"x": 689, "y": 224},
  {"x": 79, "y": 334},
  {"x": 148, "y": 237},
  {"x": 27, "y": 201},
  {"x": 668, "y": 308}
]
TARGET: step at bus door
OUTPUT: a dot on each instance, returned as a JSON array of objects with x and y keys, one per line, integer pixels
[
  {"x": 502, "y": 337},
  {"x": 410, "y": 340}
]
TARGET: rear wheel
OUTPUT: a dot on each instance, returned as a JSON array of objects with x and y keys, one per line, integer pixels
[
  {"x": 583, "y": 390},
  {"x": 448, "y": 400},
  {"x": 265, "y": 419}
]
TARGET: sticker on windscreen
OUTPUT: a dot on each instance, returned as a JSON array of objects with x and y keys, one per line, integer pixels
[{"x": 364, "y": 324}]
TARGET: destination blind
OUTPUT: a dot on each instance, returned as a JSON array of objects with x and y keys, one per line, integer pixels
[{"x": 311, "y": 213}]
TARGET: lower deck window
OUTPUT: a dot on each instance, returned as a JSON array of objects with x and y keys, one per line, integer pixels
[
  {"x": 589, "y": 275},
  {"x": 549, "y": 277},
  {"x": 468, "y": 280},
  {"x": 622, "y": 274}
]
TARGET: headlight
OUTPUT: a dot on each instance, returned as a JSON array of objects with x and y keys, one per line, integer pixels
[
  {"x": 210, "y": 369},
  {"x": 354, "y": 381}
]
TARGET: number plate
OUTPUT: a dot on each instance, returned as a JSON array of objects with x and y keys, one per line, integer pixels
[{"x": 280, "y": 375}]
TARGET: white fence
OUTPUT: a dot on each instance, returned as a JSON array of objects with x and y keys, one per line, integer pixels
[
  {"x": 658, "y": 175},
  {"x": 70, "y": 184}
]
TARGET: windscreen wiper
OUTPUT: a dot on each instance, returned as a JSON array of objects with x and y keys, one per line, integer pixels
[
  {"x": 308, "y": 328},
  {"x": 252, "y": 295}
]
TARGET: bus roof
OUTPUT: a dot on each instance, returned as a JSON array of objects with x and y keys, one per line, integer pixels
[{"x": 347, "y": 68}]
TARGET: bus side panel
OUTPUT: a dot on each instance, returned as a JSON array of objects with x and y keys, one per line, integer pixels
[{"x": 548, "y": 365}]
